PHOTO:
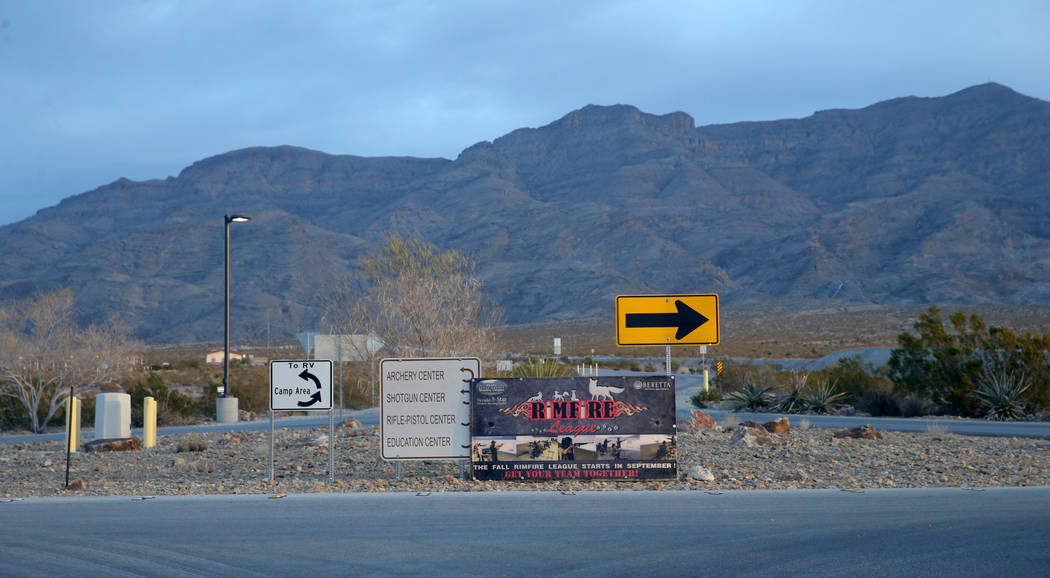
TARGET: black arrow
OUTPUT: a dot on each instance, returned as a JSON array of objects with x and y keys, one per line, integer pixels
[
  {"x": 686, "y": 320},
  {"x": 305, "y": 375},
  {"x": 315, "y": 398}
]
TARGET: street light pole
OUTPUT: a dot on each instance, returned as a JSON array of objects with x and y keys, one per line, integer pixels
[{"x": 226, "y": 314}]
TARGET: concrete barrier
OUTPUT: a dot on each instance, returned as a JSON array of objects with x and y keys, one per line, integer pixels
[
  {"x": 226, "y": 410},
  {"x": 112, "y": 416}
]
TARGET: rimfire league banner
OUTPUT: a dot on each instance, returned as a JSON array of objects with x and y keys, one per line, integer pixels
[{"x": 616, "y": 427}]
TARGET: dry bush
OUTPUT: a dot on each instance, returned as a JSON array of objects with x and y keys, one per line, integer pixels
[{"x": 191, "y": 445}]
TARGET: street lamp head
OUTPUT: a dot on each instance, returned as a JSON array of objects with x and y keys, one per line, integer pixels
[{"x": 237, "y": 218}]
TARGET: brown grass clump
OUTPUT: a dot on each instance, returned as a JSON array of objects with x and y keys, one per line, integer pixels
[{"x": 191, "y": 445}]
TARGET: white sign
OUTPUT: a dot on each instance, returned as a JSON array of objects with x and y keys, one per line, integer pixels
[
  {"x": 357, "y": 347},
  {"x": 301, "y": 385},
  {"x": 557, "y": 346},
  {"x": 425, "y": 407}
]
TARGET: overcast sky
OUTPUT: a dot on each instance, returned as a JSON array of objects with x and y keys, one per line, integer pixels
[{"x": 97, "y": 90}]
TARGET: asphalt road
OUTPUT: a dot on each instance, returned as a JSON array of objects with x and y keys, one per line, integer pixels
[{"x": 922, "y": 532}]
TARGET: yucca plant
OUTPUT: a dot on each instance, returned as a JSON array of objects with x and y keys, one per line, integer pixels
[
  {"x": 823, "y": 396},
  {"x": 541, "y": 368},
  {"x": 794, "y": 399},
  {"x": 751, "y": 396},
  {"x": 999, "y": 394}
]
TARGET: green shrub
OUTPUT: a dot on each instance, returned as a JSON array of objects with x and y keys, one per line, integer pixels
[
  {"x": 173, "y": 406},
  {"x": 1000, "y": 394},
  {"x": 856, "y": 379},
  {"x": 13, "y": 415},
  {"x": 701, "y": 399},
  {"x": 251, "y": 385},
  {"x": 794, "y": 400},
  {"x": 945, "y": 363},
  {"x": 751, "y": 396},
  {"x": 734, "y": 375},
  {"x": 541, "y": 368},
  {"x": 823, "y": 396},
  {"x": 916, "y": 406},
  {"x": 879, "y": 403}
]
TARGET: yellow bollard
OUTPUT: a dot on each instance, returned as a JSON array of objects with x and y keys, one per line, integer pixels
[
  {"x": 72, "y": 423},
  {"x": 705, "y": 380},
  {"x": 149, "y": 422}
]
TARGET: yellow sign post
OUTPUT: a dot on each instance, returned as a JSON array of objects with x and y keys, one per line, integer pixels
[{"x": 647, "y": 320}]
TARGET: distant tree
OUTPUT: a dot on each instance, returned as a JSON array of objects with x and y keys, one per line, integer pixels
[
  {"x": 44, "y": 353},
  {"x": 418, "y": 299}
]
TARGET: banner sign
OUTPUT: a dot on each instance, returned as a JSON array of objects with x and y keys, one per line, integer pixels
[{"x": 617, "y": 427}]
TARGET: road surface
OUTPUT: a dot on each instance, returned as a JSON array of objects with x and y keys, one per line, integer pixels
[{"x": 921, "y": 532}]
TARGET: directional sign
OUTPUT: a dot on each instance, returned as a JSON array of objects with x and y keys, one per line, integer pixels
[
  {"x": 301, "y": 385},
  {"x": 425, "y": 407},
  {"x": 646, "y": 320}
]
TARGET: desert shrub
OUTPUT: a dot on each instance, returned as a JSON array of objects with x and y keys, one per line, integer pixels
[
  {"x": 916, "y": 406},
  {"x": 702, "y": 398},
  {"x": 620, "y": 364},
  {"x": 792, "y": 399},
  {"x": 735, "y": 375},
  {"x": 173, "y": 406},
  {"x": 13, "y": 415},
  {"x": 751, "y": 396},
  {"x": 1000, "y": 394},
  {"x": 251, "y": 385},
  {"x": 357, "y": 393},
  {"x": 191, "y": 445},
  {"x": 823, "y": 396},
  {"x": 155, "y": 388},
  {"x": 944, "y": 363},
  {"x": 856, "y": 379},
  {"x": 358, "y": 399},
  {"x": 541, "y": 368},
  {"x": 879, "y": 403},
  {"x": 87, "y": 411}
]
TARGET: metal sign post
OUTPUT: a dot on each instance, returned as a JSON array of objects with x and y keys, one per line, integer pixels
[{"x": 303, "y": 385}]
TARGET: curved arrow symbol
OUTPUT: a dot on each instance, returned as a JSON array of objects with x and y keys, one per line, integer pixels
[
  {"x": 316, "y": 397},
  {"x": 468, "y": 370},
  {"x": 686, "y": 320},
  {"x": 305, "y": 375}
]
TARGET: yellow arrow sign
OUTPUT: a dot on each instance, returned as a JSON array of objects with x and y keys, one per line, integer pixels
[{"x": 645, "y": 320}]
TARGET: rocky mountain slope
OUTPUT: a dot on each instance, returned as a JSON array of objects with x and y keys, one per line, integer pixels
[{"x": 909, "y": 201}]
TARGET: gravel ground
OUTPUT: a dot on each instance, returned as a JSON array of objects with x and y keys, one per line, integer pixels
[{"x": 708, "y": 460}]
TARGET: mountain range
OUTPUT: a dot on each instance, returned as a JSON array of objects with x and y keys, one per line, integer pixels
[{"x": 910, "y": 201}]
